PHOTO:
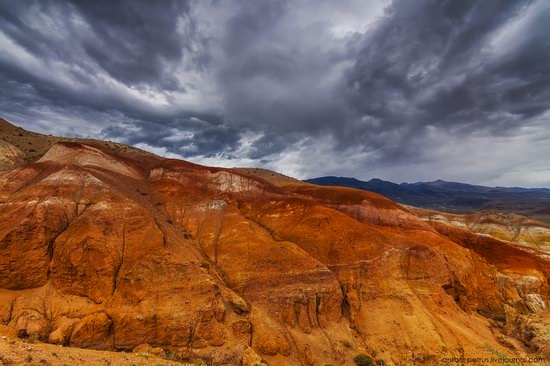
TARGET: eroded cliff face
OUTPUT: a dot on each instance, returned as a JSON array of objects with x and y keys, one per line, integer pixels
[
  {"x": 506, "y": 226},
  {"x": 109, "y": 251}
]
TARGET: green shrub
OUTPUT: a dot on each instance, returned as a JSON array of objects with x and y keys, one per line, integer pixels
[{"x": 362, "y": 360}]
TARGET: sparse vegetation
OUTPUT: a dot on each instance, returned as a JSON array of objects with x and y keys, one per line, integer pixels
[
  {"x": 178, "y": 357},
  {"x": 347, "y": 344},
  {"x": 28, "y": 358},
  {"x": 144, "y": 355},
  {"x": 4, "y": 360},
  {"x": 173, "y": 356},
  {"x": 362, "y": 360},
  {"x": 499, "y": 354}
]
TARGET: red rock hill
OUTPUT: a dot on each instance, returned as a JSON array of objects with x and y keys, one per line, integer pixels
[{"x": 104, "y": 246}]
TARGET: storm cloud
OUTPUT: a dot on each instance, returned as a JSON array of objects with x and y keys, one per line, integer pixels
[{"x": 400, "y": 90}]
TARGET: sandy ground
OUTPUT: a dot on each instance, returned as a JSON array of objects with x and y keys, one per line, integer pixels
[{"x": 20, "y": 352}]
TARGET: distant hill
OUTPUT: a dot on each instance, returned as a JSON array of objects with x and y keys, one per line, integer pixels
[
  {"x": 453, "y": 196},
  {"x": 19, "y": 147}
]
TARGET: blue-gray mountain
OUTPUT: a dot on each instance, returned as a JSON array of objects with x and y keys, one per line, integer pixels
[{"x": 453, "y": 196}]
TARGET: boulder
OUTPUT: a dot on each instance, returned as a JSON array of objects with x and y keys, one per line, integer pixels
[
  {"x": 62, "y": 331},
  {"x": 93, "y": 331}
]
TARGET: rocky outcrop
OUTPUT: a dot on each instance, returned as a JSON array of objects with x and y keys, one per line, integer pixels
[
  {"x": 507, "y": 226},
  {"x": 93, "y": 331}
]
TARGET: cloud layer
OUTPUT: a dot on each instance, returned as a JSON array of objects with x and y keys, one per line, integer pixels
[{"x": 401, "y": 90}]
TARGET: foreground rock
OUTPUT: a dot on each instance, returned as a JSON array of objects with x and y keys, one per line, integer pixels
[{"x": 14, "y": 351}]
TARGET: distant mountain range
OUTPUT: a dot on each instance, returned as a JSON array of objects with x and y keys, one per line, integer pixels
[{"x": 453, "y": 196}]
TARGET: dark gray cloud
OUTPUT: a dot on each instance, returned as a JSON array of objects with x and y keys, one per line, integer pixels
[
  {"x": 397, "y": 89},
  {"x": 107, "y": 59},
  {"x": 136, "y": 42},
  {"x": 185, "y": 136},
  {"x": 433, "y": 65}
]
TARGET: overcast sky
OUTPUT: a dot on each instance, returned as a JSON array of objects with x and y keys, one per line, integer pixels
[{"x": 399, "y": 90}]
